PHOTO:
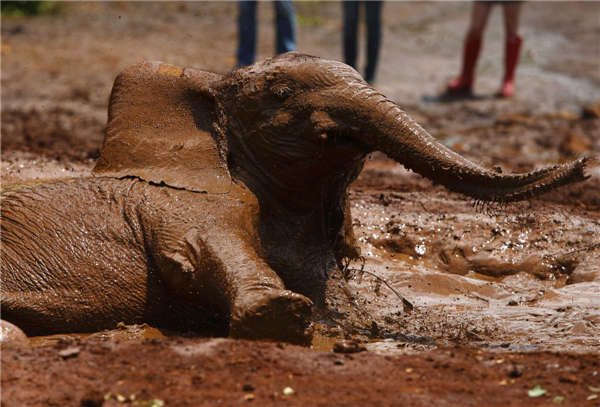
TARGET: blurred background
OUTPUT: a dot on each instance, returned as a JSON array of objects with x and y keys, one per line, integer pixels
[{"x": 59, "y": 61}]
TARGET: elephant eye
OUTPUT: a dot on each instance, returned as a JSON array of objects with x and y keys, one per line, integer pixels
[{"x": 281, "y": 91}]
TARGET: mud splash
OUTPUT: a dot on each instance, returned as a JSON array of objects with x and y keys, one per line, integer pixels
[{"x": 526, "y": 278}]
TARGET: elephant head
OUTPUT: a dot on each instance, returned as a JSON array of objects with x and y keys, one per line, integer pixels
[
  {"x": 295, "y": 130},
  {"x": 304, "y": 116},
  {"x": 291, "y": 120}
]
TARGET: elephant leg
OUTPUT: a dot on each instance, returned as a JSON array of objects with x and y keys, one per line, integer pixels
[
  {"x": 261, "y": 307},
  {"x": 11, "y": 337},
  {"x": 226, "y": 269},
  {"x": 73, "y": 309},
  {"x": 280, "y": 315}
]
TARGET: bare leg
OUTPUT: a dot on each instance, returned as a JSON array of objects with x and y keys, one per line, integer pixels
[
  {"x": 479, "y": 18},
  {"x": 512, "y": 14}
]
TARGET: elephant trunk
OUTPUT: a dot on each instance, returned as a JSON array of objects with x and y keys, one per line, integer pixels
[{"x": 384, "y": 127}]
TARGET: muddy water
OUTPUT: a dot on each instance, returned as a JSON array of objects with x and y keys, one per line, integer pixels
[{"x": 524, "y": 278}]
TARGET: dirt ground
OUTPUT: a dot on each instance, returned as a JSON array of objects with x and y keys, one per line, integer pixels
[
  {"x": 184, "y": 372},
  {"x": 505, "y": 299}
]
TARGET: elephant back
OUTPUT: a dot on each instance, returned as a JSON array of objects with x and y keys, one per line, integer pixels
[{"x": 161, "y": 129}]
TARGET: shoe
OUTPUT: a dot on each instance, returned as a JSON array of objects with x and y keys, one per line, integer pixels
[
  {"x": 511, "y": 58},
  {"x": 464, "y": 83}
]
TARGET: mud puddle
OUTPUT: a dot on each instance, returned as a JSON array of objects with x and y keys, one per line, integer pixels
[{"x": 521, "y": 278}]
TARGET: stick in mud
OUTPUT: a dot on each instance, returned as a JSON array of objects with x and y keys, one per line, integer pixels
[{"x": 348, "y": 273}]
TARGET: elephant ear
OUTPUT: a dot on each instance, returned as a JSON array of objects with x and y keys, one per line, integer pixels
[{"x": 161, "y": 129}]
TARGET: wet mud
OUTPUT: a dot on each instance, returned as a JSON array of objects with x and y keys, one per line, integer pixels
[
  {"x": 525, "y": 277},
  {"x": 503, "y": 298}
]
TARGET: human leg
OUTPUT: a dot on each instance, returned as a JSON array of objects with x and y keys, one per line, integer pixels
[
  {"x": 512, "y": 49},
  {"x": 286, "y": 26},
  {"x": 350, "y": 29},
  {"x": 374, "y": 37},
  {"x": 246, "y": 32},
  {"x": 472, "y": 46}
]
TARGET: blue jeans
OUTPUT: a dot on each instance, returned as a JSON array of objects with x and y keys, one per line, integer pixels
[
  {"x": 351, "y": 11},
  {"x": 285, "y": 23}
]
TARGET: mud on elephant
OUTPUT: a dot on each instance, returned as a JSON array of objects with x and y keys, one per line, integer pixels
[{"x": 219, "y": 198}]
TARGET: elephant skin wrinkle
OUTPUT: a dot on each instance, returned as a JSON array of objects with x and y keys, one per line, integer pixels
[
  {"x": 152, "y": 260},
  {"x": 220, "y": 200}
]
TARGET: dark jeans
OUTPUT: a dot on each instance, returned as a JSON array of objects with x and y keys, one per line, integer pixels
[
  {"x": 351, "y": 11},
  {"x": 285, "y": 23}
]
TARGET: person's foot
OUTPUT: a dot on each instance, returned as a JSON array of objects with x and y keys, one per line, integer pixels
[
  {"x": 507, "y": 90},
  {"x": 512, "y": 50},
  {"x": 459, "y": 86},
  {"x": 463, "y": 84}
]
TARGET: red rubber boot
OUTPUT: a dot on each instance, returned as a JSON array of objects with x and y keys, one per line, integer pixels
[
  {"x": 511, "y": 58},
  {"x": 463, "y": 84}
]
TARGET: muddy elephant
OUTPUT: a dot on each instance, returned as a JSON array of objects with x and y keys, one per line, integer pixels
[{"x": 219, "y": 198}]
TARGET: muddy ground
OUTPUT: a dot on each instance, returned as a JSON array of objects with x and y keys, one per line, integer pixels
[{"x": 504, "y": 298}]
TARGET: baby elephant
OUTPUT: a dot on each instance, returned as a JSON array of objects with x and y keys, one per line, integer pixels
[{"x": 219, "y": 199}]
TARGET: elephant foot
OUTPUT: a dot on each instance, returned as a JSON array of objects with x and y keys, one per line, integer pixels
[
  {"x": 12, "y": 337},
  {"x": 278, "y": 315}
]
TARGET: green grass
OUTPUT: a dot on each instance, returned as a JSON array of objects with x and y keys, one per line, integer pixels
[
  {"x": 21, "y": 9},
  {"x": 309, "y": 13},
  {"x": 310, "y": 21}
]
